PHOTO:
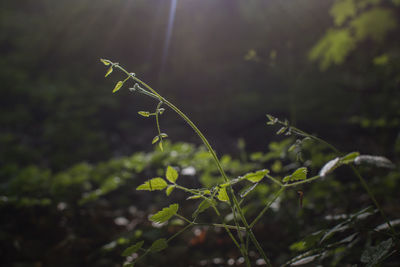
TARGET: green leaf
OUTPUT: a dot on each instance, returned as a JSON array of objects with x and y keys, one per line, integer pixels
[
  {"x": 297, "y": 175},
  {"x": 194, "y": 197},
  {"x": 205, "y": 204},
  {"x": 373, "y": 255},
  {"x": 281, "y": 130},
  {"x": 222, "y": 195},
  {"x": 165, "y": 214},
  {"x": 153, "y": 184},
  {"x": 257, "y": 176},
  {"x": 342, "y": 10},
  {"x": 155, "y": 139},
  {"x": 105, "y": 62},
  {"x": 158, "y": 245},
  {"x": 349, "y": 158},
  {"x": 109, "y": 71},
  {"x": 272, "y": 120},
  {"x": 132, "y": 249},
  {"x": 169, "y": 189},
  {"x": 144, "y": 113},
  {"x": 171, "y": 174},
  {"x": 163, "y": 135},
  {"x": 118, "y": 86}
]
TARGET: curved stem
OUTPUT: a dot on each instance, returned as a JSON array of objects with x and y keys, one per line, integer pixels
[{"x": 233, "y": 201}]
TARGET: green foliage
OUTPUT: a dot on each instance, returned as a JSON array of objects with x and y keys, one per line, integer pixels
[
  {"x": 298, "y": 175},
  {"x": 158, "y": 245},
  {"x": 153, "y": 184},
  {"x": 118, "y": 86},
  {"x": 342, "y": 10},
  {"x": 255, "y": 177},
  {"x": 132, "y": 249},
  {"x": 165, "y": 214},
  {"x": 355, "y": 23},
  {"x": 333, "y": 48},
  {"x": 171, "y": 174},
  {"x": 373, "y": 255},
  {"x": 223, "y": 195}
]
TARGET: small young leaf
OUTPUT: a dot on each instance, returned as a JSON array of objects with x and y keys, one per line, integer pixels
[
  {"x": 110, "y": 69},
  {"x": 349, "y": 158},
  {"x": 205, "y": 204},
  {"x": 222, "y": 195},
  {"x": 153, "y": 184},
  {"x": 132, "y": 249},
  {"x": 257, "y": 176},
  {"x": 171, "y": 174},
  {"x": 118, "y": 86},
  {"x": 272, "y": 120},
  {"x": 161, "y": 111},
  {"x": 281, "y": 130},
  {"x": 160, "y": 145},
  {"x": 155, "y": 139},
  {"x": 194, "y": 197},
  {"x": 165, "y": 214},
  {"x": 169, "y": 189},
  {"x": 105, "y": 62},
  {"x": 163, "y": 135},
  {"x": 144, "y": 113},
  {"x": 297, "y": 175},
  {"x": 158, "y": 245}
]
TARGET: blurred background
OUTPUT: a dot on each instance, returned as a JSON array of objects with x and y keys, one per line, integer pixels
[{"x": 71, "y": 152}]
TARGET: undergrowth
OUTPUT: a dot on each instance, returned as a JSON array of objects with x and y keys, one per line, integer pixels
[{"x": 229, "y": 197}]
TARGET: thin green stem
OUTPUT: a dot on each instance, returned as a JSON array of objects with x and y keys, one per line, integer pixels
[
  {"x": 267, "y": 206},
  {"x": 230, "y": 192},
  {"x": 180, "y": 232},
  {"x": 355, "y": 171},
  {"x": 309, "y": 180},
  {"x": 212, "y": 152}
]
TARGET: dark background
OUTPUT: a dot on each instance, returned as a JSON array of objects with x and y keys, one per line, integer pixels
[{"x": 226, "y": 65}]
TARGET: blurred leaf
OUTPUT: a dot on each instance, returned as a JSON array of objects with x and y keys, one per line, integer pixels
[
  {"x": 366, "y": 26},
  {"x": 159, "y": 245},
  {"x": 171, "y": 174},
  {"x": 165, "y": 214},
  {"x": 342, "y": 10},
  {"x": 349, "y": 158},
  {"x": 333, "y": 48},
  {"x": 153, "y": 184},
  {"x": 373, "y": 255},
  {"x": 132, "y": 249}
]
